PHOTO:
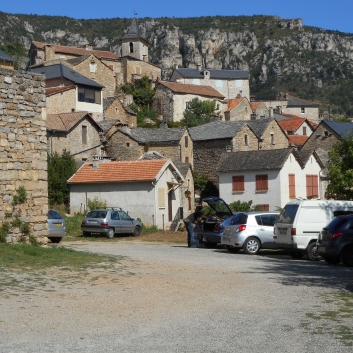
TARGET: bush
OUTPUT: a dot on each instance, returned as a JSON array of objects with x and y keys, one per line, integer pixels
[{"x": 96, "y": 203}]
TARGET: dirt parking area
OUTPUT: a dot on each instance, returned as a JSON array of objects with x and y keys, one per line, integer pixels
[{"x": 165, "y": 297}]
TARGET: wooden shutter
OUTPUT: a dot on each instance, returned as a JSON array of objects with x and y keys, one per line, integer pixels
[
  {"x": 262, "y": 182},
  {"x": 238, "y": 183},
  {"x": 291, "y": 178},
  {"x": 186, "y": 159},
  {"x": 264, "y": 207},
  {"x": 161, "y": 197},
  {"x": 309, "y": 185},
  {"x": 315, "y": 183}
]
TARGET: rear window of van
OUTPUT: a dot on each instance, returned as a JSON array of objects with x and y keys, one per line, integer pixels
[{"x": 288, "y": 214}]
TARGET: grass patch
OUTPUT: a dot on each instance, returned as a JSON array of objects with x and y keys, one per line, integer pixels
[
  {"x": 23, "y": 257},
  {"x": 335, "y": 322}
]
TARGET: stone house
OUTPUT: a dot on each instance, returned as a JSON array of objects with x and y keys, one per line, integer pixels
[
  {"x": 145, "y": 189},
  {"x": 23, "y": 148},
  {"x": 270, "y": 178},
  {"x": 325, "y": 136},
  {"x": 238, "y": 109},
  {"x": 130, "y": 144},
  {"x": 76, "y": 132},
  {"x": 6, "y": 61},
  {"x": 68, "y": 91},
  {"x": 116, "y": 110},
  {"x": 295, "y": 125},
  {"x": 259, "y": 110},
  {"x": 213, "y": 139},
  {"x": 172, "y": 98},
  {"x": 229, "y": 83}
]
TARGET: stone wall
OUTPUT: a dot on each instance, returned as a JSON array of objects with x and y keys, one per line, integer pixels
[
  {"x": 241, "y": 112},
  {"x": 117, "y": 111},
  {"x": 62, "y": 102},
  {"x": 23, "y": 146},
  {"x": 136, "y": 69},
  {"x": 322, "y": 138},
  {"x": 279, "y": 140}
]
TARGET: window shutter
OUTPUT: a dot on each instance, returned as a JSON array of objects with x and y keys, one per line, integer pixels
[
  {"x": 161, "y": 198},
  {"x": 261, "y": 182},
  {"x": 315, "y": 182},
  {"x": 309, "y": 186},
  {"x": 291, "y": 186},
  {"x": 238, "y": 183},
  {"x": 264, "y": 207}
]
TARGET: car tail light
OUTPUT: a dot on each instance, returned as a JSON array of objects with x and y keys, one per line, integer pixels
[
  {"x": 104, "y": 224},
  {"x": 218, "y": 227},
  {"x": 293, "y": 231},
  {"x": 83, "y": 222},
  {"x": 336, "y": 235},
  {"x": 241, "y": 228}
]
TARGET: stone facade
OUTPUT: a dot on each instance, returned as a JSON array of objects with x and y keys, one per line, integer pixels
[
  {"x": 135, "y": 69},
  {"x": 23, "y": 147},
  {"x": 116, "y": 111},
  {"x": 273, "y": 137},
  {"x": 241, "y": 111},
  {"x": 62, "y": 102}
]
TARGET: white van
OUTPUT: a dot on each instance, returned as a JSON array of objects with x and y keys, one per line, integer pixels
[{"x": 300, "y": 222}]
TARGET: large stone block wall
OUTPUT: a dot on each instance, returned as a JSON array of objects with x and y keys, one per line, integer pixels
[
  {"x": 322, "y": 138},
  {"x": 23, "y": 146},
  {"x": 63, "y": 102},
  {"x": 240, "y": 143},
  {"x": 117, "y": 111},
  {"x": 279, "y": 137}
]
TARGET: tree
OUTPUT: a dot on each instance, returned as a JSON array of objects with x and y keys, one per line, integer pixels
[
  {"x": 244, "y": 206},
  {"x": 60, "y": 169},
  {"x": 340, "y": 170},
  {"x": 199, "y": 112}
]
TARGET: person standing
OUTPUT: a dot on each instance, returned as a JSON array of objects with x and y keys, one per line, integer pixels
[{"x": 190, "y": 222}]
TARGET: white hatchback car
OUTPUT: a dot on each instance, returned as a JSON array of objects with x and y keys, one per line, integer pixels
[{"x": 250, "y": 231}]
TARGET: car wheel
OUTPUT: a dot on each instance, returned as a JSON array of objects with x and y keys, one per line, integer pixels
[
  {"x": 136, "y": 232},
  {"x": 110, "y": 233},
  {"x": 55, "y": 240},
  {"x": 332, "y": 260},
  {"x": 209, "y": 244},
  {"x": 251, "y": 246},
  {"x": 296, "y": 254},
  {"x": 311, "y": 252},
  {"x": 86, "y": 234},
  {"x": 232, "y": 249},
  {"x": 347, "y": 256}
]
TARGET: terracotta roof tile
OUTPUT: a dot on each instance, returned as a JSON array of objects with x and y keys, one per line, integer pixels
[
  {"x": 232, "y": 103},
  {"x": 185, "y": 88},
  {"x": 141, "y": 170},
  {"x": 254, "y": 105},
  {"x": 54, "y": 90},
  {"x": 297, "y": 140},
  {"x": 291, "y": 125}
]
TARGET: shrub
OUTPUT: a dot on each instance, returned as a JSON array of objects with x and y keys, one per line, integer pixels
[{"x": 96, "y": 203}]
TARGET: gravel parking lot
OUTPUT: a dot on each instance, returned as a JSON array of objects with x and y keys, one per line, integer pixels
[{"x": 169, "y": 298}]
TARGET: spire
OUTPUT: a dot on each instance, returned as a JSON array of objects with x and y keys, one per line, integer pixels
[{"x": 133, "y": 30}]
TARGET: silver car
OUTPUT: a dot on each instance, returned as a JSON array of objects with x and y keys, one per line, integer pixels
[
  {"x": 56, "y": 226},
  {"x": 110, "y": 222},
  {"x": 250, "y": 231}
]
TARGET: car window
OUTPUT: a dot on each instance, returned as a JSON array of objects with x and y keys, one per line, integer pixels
[
  {"x": 288, "y": 214},
  {"x": 96, "y": 214},
  {"x": 268, "y": 220},
  {"x": 115, "y": 215},
  {"x": 124, "y": 216},
  {"x": 240, "y": 218},
  {"x": 52, "y": 214},
  {"x": 258, "y": 220},
  {"x": 339, "y": 223}
]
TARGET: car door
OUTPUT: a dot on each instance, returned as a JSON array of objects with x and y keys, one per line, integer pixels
[
  {"x": 265, "y": 229},
  {"x": 126, "y": 222},
  {"x": 116, "y": 222}
]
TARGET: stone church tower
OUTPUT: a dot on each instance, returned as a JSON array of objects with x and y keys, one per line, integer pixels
[{"x": 133, "y": 44}]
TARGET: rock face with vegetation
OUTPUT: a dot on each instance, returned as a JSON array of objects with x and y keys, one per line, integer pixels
[{"x": 280, "y": 54}]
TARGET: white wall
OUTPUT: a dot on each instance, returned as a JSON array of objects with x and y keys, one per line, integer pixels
[{"x": 309, "y": 129}]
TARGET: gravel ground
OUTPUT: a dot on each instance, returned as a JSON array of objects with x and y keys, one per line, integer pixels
[{"x": 165, "y": 298}]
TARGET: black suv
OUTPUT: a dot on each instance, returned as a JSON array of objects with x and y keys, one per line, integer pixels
[{"x": 335, "y": 242}]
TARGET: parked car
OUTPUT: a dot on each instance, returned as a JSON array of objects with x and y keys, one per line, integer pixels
[
  {"x": 212, "y": 228},
  {"x": 335, "y": 242},
  {"x": 56, "y": 226},
  {"x": 110, "y": 221},
  {"x": 250, "y": 231}
]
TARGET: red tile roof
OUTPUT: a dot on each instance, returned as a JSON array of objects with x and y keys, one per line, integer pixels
[
  {"x": 77, "y": 51},
  {"x": 54, "y": 90},
  {"x": 141, "y": 170},
  {"x": 297, "y": 140},
  {"x": 291, "y": 125},
  {"x": 185, "y": 88},
  {"x": 232, "y": 103},
  {"x": 66, "y": 121},
  {"x": 254, "y": 105}
]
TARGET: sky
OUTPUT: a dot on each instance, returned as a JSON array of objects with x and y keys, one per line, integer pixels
[{"x": 326, "y": 14}]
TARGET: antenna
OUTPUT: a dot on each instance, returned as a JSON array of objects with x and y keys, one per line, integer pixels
[{"x": 135, "y": 13}]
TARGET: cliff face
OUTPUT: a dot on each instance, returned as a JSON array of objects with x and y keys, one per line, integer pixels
[{"x": 280, "y": 54}]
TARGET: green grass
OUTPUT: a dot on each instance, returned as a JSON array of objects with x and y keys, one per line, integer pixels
[{"x": 23, "y": 257}]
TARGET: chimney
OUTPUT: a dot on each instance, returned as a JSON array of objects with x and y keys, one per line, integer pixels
[
  {"x": 158, "y": 79},
  {"x": 126, "y": 129},
  {"x": 271, "y": 112},
  {"x": 252, "y": 98},
  {"x": 89, "y": 47},
  {"x": 199, "y": 67},
  {"x": 95, "y": 162},
  {"x": 286, "y": 95}
]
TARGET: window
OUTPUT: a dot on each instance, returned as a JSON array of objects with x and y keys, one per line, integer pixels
[
  {"x": 238, "y": 83},
  {"x": 302, "y": 110},
  {"x": 219, "y": 83},
  {"x": 131, "y": 47},
  {"x": 196, "y": 81},
  {"x": 325, "y": 133},
  {"x": 189, "y": 203},
  {"x": 238, "y": 183},
  {"x": 161, "y": 198},
  {"x": 138, "y": 70},
  {"x": 187, "y": 105},
  {"x": 304, "y": 130},
  {"x": 264, "y": 207},
  {"x": 312, "y": 186},
  {"x": 89, "y": 95},
  {"x": 92, "y": 67},
  {"x": 291, "y": 178},
  {"x": 127, "y": 144},
  {"x": 186, "y": 159},
  {"x": 246, "y": 142},
  {"x": 272, "y": 139},
  {"x": 84, "y": 135},
  {"x": 186, "y": 141},
  {"x": 262, "y": 182}
]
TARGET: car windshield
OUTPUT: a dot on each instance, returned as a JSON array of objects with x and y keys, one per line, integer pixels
[
  {"x": 96, "y": 214},
  {"x": 52, "y": 214},
  {"x": 240, "y": 218},
  {"x": 288, "y": 214}
]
